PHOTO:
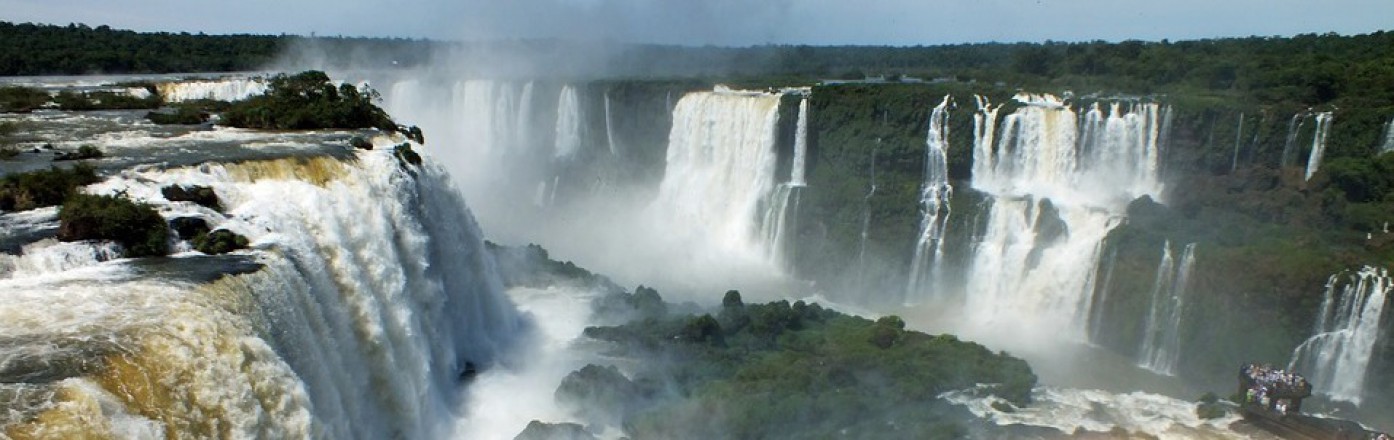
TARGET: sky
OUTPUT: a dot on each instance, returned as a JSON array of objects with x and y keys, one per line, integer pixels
[{"x": 729, "y": 22}]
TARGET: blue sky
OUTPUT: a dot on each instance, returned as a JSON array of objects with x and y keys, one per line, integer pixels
[{"x": 730, "y": 22}]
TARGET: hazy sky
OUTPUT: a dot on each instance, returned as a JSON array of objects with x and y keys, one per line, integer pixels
[{"x": 730, "y": 22}]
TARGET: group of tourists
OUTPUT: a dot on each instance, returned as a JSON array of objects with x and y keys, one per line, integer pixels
[{"x": 1273, "y": 388}]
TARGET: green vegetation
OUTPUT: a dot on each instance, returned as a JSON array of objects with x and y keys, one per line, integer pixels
[
  {"x": 1210, "y": 407},
  {"x": 84, "y": 152},
  {"x": 531, "y": 266},
  {"x": 137, "y": 226},
  {"x": 7, "y": 149},
  {"x": 787, "y": 370},
  {"x": 81, "y": 101},
  {"x": 21, "y": 99},
  {"x": 180, "y": 116},
  {"x": 306, "y": 101},
  {"x": 220, "y": 241},
  {"x": 37, "y": 189}
]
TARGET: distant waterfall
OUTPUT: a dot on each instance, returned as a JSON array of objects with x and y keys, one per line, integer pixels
[
  {"x": 610, "y": 127},
  {"x": 721, "y": 165},
  {"x": 1161, "y": 343},
  {"x": 935, "y": 194},
  {"x": 1058, "y": 185},
  {"x": 1238, "y": 139},
  {"x": 231, "y": 89},
  {"x": 1337, "y": 356},
  {"x": 568, "y": 123},
  {"x": 785, "y": 200},
  {"x": 1290, "y": 144},
  {"x": 1318, "y": 143},
  {"x": 1388, "y": 144},
  {"x": 800, "y": 165}
]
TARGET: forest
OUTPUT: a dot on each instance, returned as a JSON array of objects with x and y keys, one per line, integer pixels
[{"x": 1307, "y": 69}]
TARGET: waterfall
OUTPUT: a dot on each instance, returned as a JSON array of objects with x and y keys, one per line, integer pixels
[
  {"x": 1161, "y": 343},
  {"x": 1057, "y": 186},
  {"x": 1388, "y": 144},
  {"x": 568, "y": 124},
  {"x": 866, "y": 218},
  {"x": 374, "y": 292},
  {"x": 1318, "y": 143},
  {"x": 721, "y": 163},
  {"x": 785, "y": 200},
  {"x": 799, "y": 166},
  {"x": 1337, "y": 355},
  {"x": 1096, "y": 319},
  {"x": 1238, "y": 136},
  {"x": 1290, "y": 144},
  {"x": 609, "y": 127},
  {"x": 230, "y": 89},
  {"x": 935, "y": 194}
]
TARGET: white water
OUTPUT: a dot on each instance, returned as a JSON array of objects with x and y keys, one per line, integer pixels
[
  {"x": 1044, "y": 156},
  {"x": 1388, "y": 144},
  {"x": 50, "y": 256},
  {"x": 610, "y": 127},
  {"x": 720, "y": 170},
  {"x": 783, "y": 204},
  {"x": 502, "y": 401},
  {"x": 375, "y": 292},
  {"x": 1238, "y": 137},
  {"x": 1099, "y": 411},
  {"x": 935, "y": 194},
  {"x": 1318, "y": 143},
  {"x": 229, "y": 89},
  {"x": 568, "y": 124},
  {"x": 1290, "y": 144},
  {"x": 1161, "y": 343},
  {"x": 800, "y": 163},
  {"x": 1337, "y": 356}
]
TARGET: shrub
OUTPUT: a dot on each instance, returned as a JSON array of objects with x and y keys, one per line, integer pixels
[
  {"x": 139, "y": 229},
  {"x": 21, "y": 99},
  {"x": 37, "y": 189},
  {"x": 219, "y": 242},
  {"x": 182, "y": 116},
  {"x": 83, "y": 152},
  {"x": 308, "y": 100}
]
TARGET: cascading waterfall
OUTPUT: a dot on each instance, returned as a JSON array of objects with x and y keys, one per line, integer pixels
[
  {"x": 230, "y": 89},
  {"x": 785, "y": 200},
  {"x": 610, "y": 128},
  {"x": 721, "y": 164},
  {"x": 1238, "y": 137},
  {"x": 1161, "y": 343},
  {"x": 1388, "y": 144},
  {"x": 568, "y": 124},
  {"x": 935, "y": 193},
  {"x": 375, "y": 291},
  {"x": 799, "y": 166},
  {"x": 1323, "y": 121},
  {"x": 1290, "y": 144},
  {"x": 1057, "y": 186},
  {"x": 1337, "y": 355},
  {"x": 1098, "y": 310},
  {"x": 866, "y": 219}
]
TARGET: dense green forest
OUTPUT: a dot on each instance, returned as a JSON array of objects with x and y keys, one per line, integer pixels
[{"x": 1306, "y": 69}]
